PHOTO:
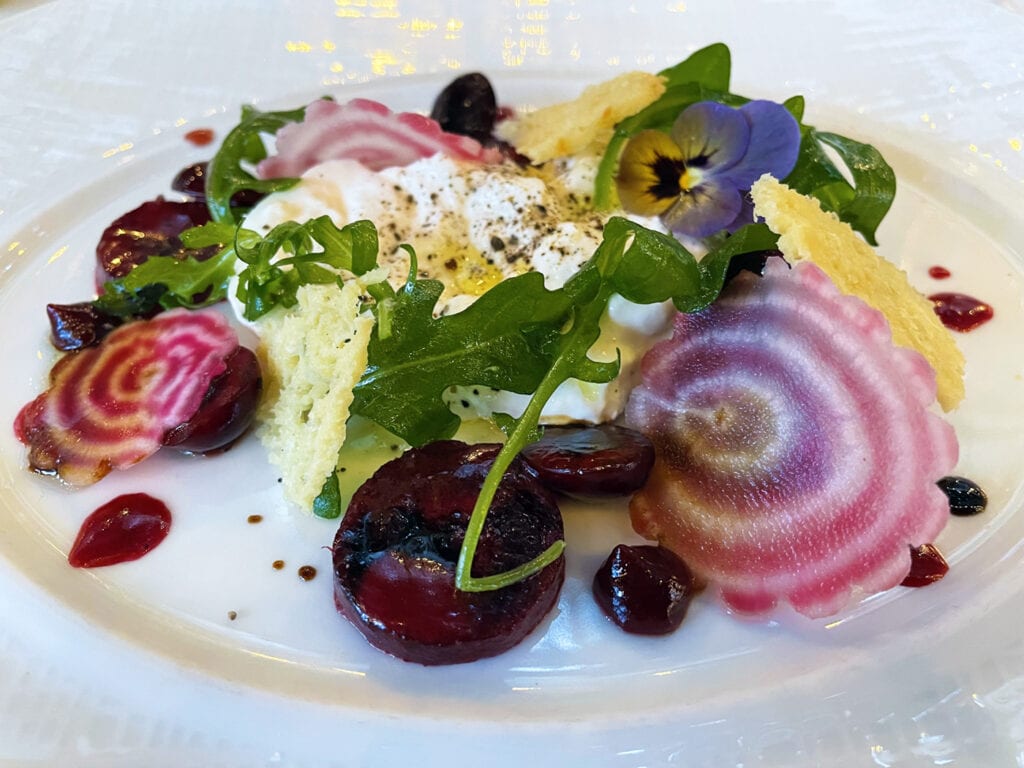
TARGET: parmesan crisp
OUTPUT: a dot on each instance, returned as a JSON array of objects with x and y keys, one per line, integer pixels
[
  {"x": 313, "y": 355},
  {"x": 583, "y": 124},
  {"x": 807, "y": 232}
]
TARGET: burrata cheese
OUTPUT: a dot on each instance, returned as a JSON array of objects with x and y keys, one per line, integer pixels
[{"x": 472, "y": 226}]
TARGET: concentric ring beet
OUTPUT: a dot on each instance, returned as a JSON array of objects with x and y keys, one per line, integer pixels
[{"x": 396, "y": 550}]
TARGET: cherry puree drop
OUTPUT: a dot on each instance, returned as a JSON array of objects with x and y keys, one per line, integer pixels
[
  {"x": 123, "y": 529},
  {"x": 927, "y": 565},
  {"x": 960, "y": 312},
  {"x": 644, "y": 589}
]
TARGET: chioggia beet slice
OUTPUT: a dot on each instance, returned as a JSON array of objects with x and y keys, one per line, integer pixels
[
  {"x": 366, "y": 131},
  {"x": 397, "y": 546},
  {"x": 109, "y": 406},
  {"x": 797, "y": 458}
]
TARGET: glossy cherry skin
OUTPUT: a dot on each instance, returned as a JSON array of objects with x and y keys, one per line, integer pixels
[
  {"x": 467, "y": 106},
  {"x": 644, "y": 589},
  {"x": 591, "y": 461},
  {"x": 396, "y": 550}
]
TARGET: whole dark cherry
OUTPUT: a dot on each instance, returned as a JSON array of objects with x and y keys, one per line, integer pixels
[
  {"x": 467, "y": 106},
  {"x": 227, "y": 409},
  {"x": 396, "y": 551}
]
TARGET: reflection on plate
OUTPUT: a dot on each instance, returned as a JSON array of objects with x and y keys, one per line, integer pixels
[{"x": 717, "y": 693}]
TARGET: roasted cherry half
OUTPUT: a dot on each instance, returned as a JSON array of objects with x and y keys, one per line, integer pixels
[
  {"x": 79, "y": 325},
  {"x": 227, "y": 409},
  {"x": 152, "y": 229},
  {"x": 396, "y": 551},
  {"x": 603, "y": 460}
]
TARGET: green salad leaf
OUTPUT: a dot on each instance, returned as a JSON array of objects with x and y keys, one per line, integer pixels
[
  {"x": 314, "y": 253},
  {"x": 861, "y": 197},
  {"x": 521, "y": 337},
  {"x": 169, "y": 281},
  {"x": 228, "y": 172},
  {"x": 502, "y": 340},
  {"x": 276, "y": 265}
]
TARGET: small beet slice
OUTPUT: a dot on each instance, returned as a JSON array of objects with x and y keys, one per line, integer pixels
[
  {"x": 152, "y": 229},
  {"x": 366, "y": 131},
  {"x": 109, "y": 406},
  {"x": 397, "y": 546},
  {"x": 601, "y": 460},
  {"x": 797, "y": 455},
  {"x": 227, "y": 410}
]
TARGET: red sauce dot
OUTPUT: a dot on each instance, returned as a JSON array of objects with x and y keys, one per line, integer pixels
[
  {"x": 200, "y": 137},
  {"x": 960, "y": 312},
  {"x": 278, "y": 565},
  {"x": 927, "y": 565},
  {"x": 939, "y": 273},
  {"x": 123, "y": 529}
]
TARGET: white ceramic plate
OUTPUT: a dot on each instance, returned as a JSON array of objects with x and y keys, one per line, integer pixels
[{"x": 140, "y": 665}]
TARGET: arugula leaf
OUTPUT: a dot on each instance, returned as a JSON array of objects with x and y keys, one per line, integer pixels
[
  {"x": 874, "y": 183},
  {"x": 168, "y": 282},
  {"x": 501, "y": 340},
  {"x": 619, "y": 265},
  {"x": 709, "y": 66},
  {"x": 328, "y": 503},
  {"x": 269, "y": 280},
  {"x": 243, "y": 146}
]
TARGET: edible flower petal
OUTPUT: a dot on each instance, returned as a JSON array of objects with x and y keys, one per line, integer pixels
[{"x": 696, "y": 176}]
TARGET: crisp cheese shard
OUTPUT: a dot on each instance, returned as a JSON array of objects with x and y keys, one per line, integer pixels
[
  {"x": 313, "y": 355},
  {"x": 807, "y": 232},
  {"x": 585, "y": 123}
]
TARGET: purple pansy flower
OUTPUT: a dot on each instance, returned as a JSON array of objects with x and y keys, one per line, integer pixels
[{"x": 696, "y": 176}]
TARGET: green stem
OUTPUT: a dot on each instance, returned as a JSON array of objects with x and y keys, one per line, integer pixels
[
  {"x": 578, "y": 342},
  {"x": 464, "y": 579}
]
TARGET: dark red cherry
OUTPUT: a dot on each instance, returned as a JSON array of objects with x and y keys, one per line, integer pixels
[
  {"x": 152, "y": 229},
  {"x": 603, "y": 460},
  {"x": 467, "y": 106},
  {"x": 80, "y": 325},
  {"x": 644, "y": 589},
  {"x": 396, "y": 551},
  {"x": 227, "y": 409}
]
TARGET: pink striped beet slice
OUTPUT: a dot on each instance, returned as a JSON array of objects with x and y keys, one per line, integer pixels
[
  {"x": 797, "y": 455},
  {"x": 368, "y": 132},
  {"x": 109, "y": 406}
]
